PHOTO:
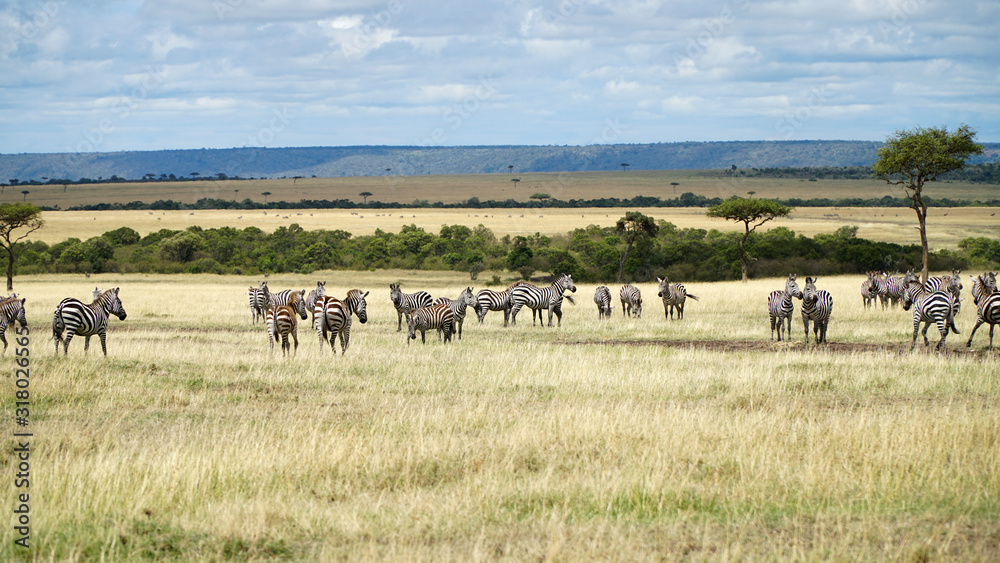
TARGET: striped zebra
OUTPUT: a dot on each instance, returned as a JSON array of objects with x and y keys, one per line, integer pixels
[
  {"x": 281, "y": 322},
  {"x": 816, "y": 307},
  {"x": 438, "y": 317},
  {"x": 936, "y": 307},
  {"x": 313, "y": 297},
  {"x": 631, "y": 299},
  {"x": 893, "y": 289},
  {"x": 780, "y": 307},
  {"x": 258, "y": 300},
  {"x": 538, "y": 298},
  {"x": 74, "y": 317},
  {"x": 490, "y": 300},
  {"x": 984, "y": 292},
  {"x": 674, "y": 297},
  {"x": 333, "y": 316},
  {"x": 458, "y": 306},
  {"x": 405, "y": 302},
  {"x": 280, "y": 298},
  {"x": 11, "y": 309},
  {"x": 602, "y": 296},
  {"x": 868, "y": 291}
]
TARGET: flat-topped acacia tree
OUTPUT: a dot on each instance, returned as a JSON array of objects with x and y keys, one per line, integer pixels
[
  {"x": 15, "y": 216},
  {"x": 748, "y": 211},
  {"x": 912, "y": 158}
]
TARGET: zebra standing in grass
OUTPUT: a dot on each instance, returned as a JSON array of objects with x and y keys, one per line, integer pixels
[
  {"x": 74, "y": 317},
  {"x": 313, "y": 297},
  {"x": 631, "y": 299},
  {"x": 11, "y": 309},
  {"x": 936, "y": 307},
  {"x": 465, "y": 300},
  {"x": 868, "y": 293},
  {"x": 538, "y": 298},
  {"x": 816, "y": 307},
  {"x": 674, "y": 297},
  {"x": 780, "y": 307},
  {"x": 490, "y": 300},
  {"x": 258, "y": 300},
  {"x": 405, "y": 302},
  {"x": 984, "y": 292},
  {"x": 333, "y": 316},
  {"x": 602, "y": 296},
  {"x": 438, "y": 317},
  {"x": 280, "y": 321},
  {"x": 280, "y": 298},
  {"x": 894, "y": 289}
]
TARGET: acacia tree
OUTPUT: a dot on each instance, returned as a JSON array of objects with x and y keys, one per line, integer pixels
[
  {"x": 633, "y": 226},
  {"x": 912, "y": 158},
  {"x": 754, "y": 212},
  {"x": 15, "y": 216},
  {"x": 366, "y": 195}
]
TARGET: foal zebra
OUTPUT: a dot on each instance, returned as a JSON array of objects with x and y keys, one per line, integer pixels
[
  {"x": 405, "y": 302},
  {"x": 868, "y": 291},
  {"x": 459, "y": 306},
  {"x": 77, "y": 318},
  {"x": 780, "y": 308},
  {"x": 313, "y": 297},
  {"x": 439, "y": 317},
  {"x": 538, "y": 298},
  {"x": 602, "y": 296},
  {"x": 280, "y": 321},
  {"x": 673, "y": 297},
  {"x": 334, "y": 316},
  {"x": 936, "y": 307},
  {"x": 816, "y": 307},
  {"x": 11, "y": 309},
  {"x": 984, "y": 292},
  {"x": 631, "y": 300}
]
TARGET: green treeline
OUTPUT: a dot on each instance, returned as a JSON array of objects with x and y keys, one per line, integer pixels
[
  {"x": 686, "y": 199},
  {"x": 590, "y": 254}
]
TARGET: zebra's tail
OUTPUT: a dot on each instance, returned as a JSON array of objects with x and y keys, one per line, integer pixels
[
  {"x": 692, "y": 296},
  {"x": 58, "y": 326},
  {"x": 570, "y": 299},
  {"x": 951, "y": 324}
]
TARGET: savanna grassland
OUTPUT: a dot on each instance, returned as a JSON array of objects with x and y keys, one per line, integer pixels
[{"x": 621, "y": 439}]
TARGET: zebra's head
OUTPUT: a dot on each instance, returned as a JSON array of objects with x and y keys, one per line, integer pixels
[
  {"x": 565, "y": 281},
  {"x": 356, "y": 302},
  {"x": 112, "y": 303},
  {"x": 316, "y": 294},
  {"x": 21, "y": 319},
  {"x": 910, "y": 277},
  {"x": 297, "y": 302},
  {"x": 910, "y": 295},
  {"x": 663, "y": 287},
  {"x": 411, "y": 324},
  {"x": 956, "y": 279},
  {"x": 990, "y": 281},
  {"x": 792, "y": 288},
  {"x": 469, "y": 298},
  {"x": 809, "y": 294},
  {"x": 395, "y": 294}
]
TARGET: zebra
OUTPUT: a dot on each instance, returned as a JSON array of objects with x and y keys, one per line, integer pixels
[
  {"x": 780, "y": 307},
  {"x": 333, "y": 316},
  {"x": 458, "y": 306},
  {"x": 631, "y": 299},
  {"x": 258, "y": 300},
  {"x": 490, "y": 300},
  {"x": 816, "y": 307},
  {"x": 280, "y": 298},
  {"x": 602, "y": 296},
  {"x": 934, "y": 283},
  {"x": 404, "y": 302},
  {"x": 280, "y": 321},
  {"x": 77, "y": 318},
  {"x": 673, "y": 297},
  {"x": 893, "y": 289},
  {"x": 538, "y": 298},
  {"x": 931, "y": 307},
  {"x": 314, "y": 296},
  {"x": 440, "y": 317},
  {"x": 984, "y": 292},
  {"x": 11, "y": 309},
  {"x": 869, "y": 293}
]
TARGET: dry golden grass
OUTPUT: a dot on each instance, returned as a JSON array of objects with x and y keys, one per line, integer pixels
[
  {"x": 456, "y": 188},
  {"x": 190, "y": 441},
  {"x": 946, "y": 227}
]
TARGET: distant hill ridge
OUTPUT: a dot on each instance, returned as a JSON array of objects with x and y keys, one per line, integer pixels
[{"x": 255, "y": 162}]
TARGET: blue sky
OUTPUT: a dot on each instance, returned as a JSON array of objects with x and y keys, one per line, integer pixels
[{"x": 116, "y": 75}]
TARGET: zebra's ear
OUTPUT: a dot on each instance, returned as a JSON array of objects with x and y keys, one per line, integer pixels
[
  {"x": 116, "y": 290},
  {"x": 23, "y": 299},
  {"x": 365, "y": 295}
]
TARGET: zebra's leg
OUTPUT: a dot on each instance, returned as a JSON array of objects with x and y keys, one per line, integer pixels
[
  {"x": 991, "y": 336},
  {"x": 916, "y": 329},
  {"x": 295, "y": 337},
  {"x": 822, "y": 333},
  {"x": 680, "y": 310},
  {"x": 973, "y": 333},
  {"x": 944, "y": 335},
  {"x": 86, "y": 344},
  {"x": 423, "y": 336},
  {"x": 345, "y": 340},
  {"x": 923, "y": 333},
  {"x": 460, "y": 322},
  {"x": 104, "y": 342},
  {"x": 69, "y": 336},
  {"x": 4, "y": 339},
  {"x": 772, "y": 330},
  {"x": 506, "y": 316},
  {"x": 513, "y": 314},
  {"x": 805, "y": 322},
  {"x": 399, "y": 321}
]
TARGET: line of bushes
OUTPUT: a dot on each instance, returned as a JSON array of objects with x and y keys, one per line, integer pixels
[{"x": 590, "y": 254}]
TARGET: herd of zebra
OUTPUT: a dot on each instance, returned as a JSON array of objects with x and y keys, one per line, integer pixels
[
  {"x": 936, "y": 301},
  {"x": 72, "y": 317}
]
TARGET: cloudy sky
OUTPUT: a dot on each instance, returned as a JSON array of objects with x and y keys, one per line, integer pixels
[{"x": 109, "y": 75}]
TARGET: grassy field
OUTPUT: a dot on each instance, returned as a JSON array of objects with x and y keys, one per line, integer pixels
[
  {"x": 623, "y": 439},
  {"x": 460, "y": 187}
]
